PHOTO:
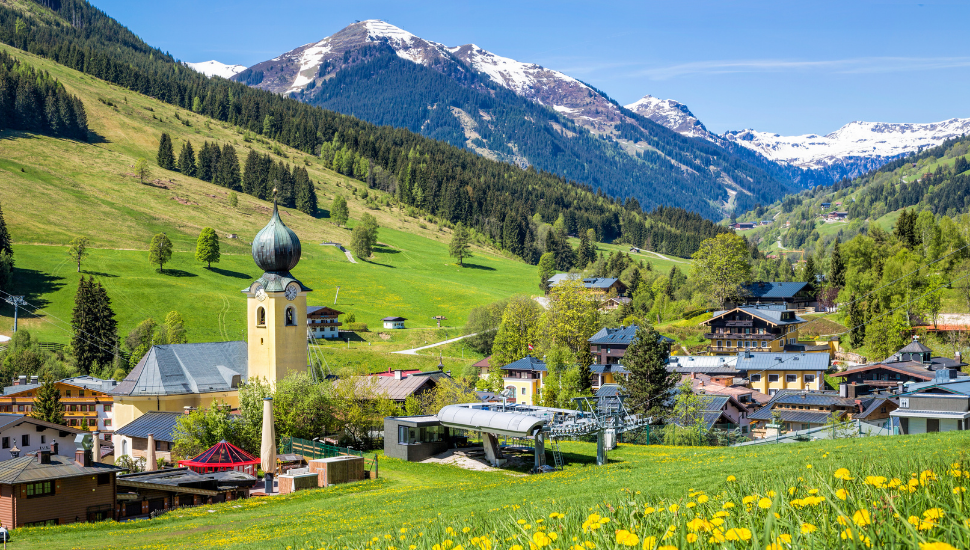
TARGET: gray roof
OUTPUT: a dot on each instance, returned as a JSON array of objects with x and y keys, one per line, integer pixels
[
  {"x": 500, "y": 423},
  {"x": 755, "y": 362},
  {"x": 86, "y": 382},
  {"x": 770, "y": 314},
  {"x": 816, "y": 398},
  {"x": 600, "y": 282},
  {"x": 915, "y": 347},
  {"x": 608, "y": 390},
  {"x": 621, "y": 335},
  {"x": 160, "y": 424},
  {"x": 773, "y": 290},
  {"x": 394, "y": 319},
  {"x": 399, "y": 390},
  {"x": 528, "y": 363},
  {"x": 26, "y": 469},
  {"x": 9, "y": 390},
  {"x": 8, "y": 420},
  {"x": 175, "y": 369},
  {"x": 873, "y": 406},
  {"x": 812, "y": 417},
  {"x": 703, "y": 363},
  {"x": 602, "y": 369},
  {"x": 959, "y": 386}
]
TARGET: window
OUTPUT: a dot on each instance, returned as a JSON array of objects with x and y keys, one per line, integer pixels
[
  {"x": 756, "y": 378},
  {"x": 747, "y": 344},
  {"x": 791, "y": 378},
  {"x": 68, "y": 393},
  {"x": 40, "y": 489},
  {"x": 80, "y": 393},
  {"x": 772, "y": 378},
  {"x": 104, "y": 479},
  {"x": 290, "y": 317},
  {"x": 772, "y": 392},
  {"x": 261, "y": 317},
  {"x": 20, "y": 408},
  {"x": 719, "y": 343},
  {"x": 107, "y": 422},
  {"x": 523, "y": 391},
  {"x": 764, "y": 344},
  {"x": 25, "y": 440},
  {"x": 42, "y": 523},
  {"x": 43, "y": 439},
  {"x": 402, "y": 435},
  {"x": 809, "y": 378},
  {"x": 6, "y": 443}
]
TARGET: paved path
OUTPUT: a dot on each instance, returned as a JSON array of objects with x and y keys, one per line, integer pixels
[
  {"x": 350, "y": 256},
  {"x": 414, "y": 351}
]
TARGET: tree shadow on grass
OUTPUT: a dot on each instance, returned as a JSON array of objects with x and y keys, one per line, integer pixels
[
  {"x": 33, "y": 285},
  {"x": 99, "y": 274},
  {"x": 178, "y": 273},
  {"x": 381, "y": 249},
  {"x": 228, "y": 273},
  {"x": 345, "y": 335},
  {"x": 481, "y": 267},
  {"x": 379, "y": 264}
]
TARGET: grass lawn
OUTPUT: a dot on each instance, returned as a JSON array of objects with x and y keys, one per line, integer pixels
[{"x": 423, "y": 498}]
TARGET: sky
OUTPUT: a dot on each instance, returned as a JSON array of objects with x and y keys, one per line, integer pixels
[{"x": 777, "y": 66}]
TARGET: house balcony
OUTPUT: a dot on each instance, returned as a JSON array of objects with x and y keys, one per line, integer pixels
[
  {"x": 726, "y": 336},
  {"x": 735, "y": 349}
]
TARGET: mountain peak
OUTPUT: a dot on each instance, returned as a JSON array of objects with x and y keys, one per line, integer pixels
[
  {"x": 215, "y": 68},
  {"x": 670, "y": 113}
]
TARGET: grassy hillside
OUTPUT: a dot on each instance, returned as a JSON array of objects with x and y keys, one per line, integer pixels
[
  {"x": 415, "y": 504},
  {"x": 52, "y": 190}
]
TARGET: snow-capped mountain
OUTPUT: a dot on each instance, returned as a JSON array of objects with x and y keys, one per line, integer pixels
[
  {"x": 854, "y": 142},
  {"x": 671, "y": 114},
  {"x": 215, "y": 68}
]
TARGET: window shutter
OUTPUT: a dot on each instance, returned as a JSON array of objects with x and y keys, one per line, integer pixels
[{"x": 57, "y": 487}]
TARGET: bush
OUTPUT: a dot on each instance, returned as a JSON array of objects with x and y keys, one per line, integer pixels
[{"x": 357, "y": 327}]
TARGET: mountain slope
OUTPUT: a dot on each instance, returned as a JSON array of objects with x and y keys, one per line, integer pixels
[
  {"x": 215, "y": 68},
  {"x": 670, "y": 114},
  {"x": 516, "y": 112}
]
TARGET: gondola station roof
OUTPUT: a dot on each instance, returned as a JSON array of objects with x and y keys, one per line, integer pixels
[{"x": 221, "y": 457}]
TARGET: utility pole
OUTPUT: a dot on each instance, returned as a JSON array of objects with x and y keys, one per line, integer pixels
[{"x": 16, "y": 302}]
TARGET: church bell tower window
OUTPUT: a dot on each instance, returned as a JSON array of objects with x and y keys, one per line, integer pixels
[
  {"x": 261, "y": 317},
  {"x": 290, "y": 317}
]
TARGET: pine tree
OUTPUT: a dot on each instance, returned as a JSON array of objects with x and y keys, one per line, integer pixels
[
  {"x": 857, "y": 327},
  {"x": 227, "y": 173},
  {"x": 83, "y": 320},
  {"x": 460, "y": 247},
  {"x": 187, "y": 160},
  {"x": 105, "y": 330},
  {"x": 635, "y": 280},
  {"x": 837, "y": 266},
  {"x": 306, "y": 195},
  {"x": 166, "y": 157},
  {"x": 160, "y": 251},
  {"x": 207, "y": 247},
  {"x": 47, "y": 404},
  {"x": 338, "y": 211},
  {"x": 649, "y": 384},
  {"x": 6, "y": 243}
]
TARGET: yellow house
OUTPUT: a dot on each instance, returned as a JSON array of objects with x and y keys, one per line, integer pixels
[
  {"x": 87, "y": 405},
  {"x": 761, "y": 329},
  {"x": 770, "y": 372},
  {"x": 525, "y": 378},
  {"x": 172, "y": 377}
]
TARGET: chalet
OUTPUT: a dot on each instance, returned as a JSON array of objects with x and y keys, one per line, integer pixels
[
  {"x": 783, "y": 295},
  {"x": 836, "y": 216},
  {"x": 322, "y": 321},
  {"x": 913, "y": 364},
  {"x": 614, "y": 302},
  {"x": 393, "y": 322},
  {"x": 721, "y": 412},
  {"x": 399, "y": 387},
  {"x": 752, "y": 328},
  {"x": 524, "y": 377},
  {"x": 826, "y": 205},
  {"x": 87, "y": 403},
  {"x": 803, "y": 410},
  {"x": 155, "y": 427},
  {"x": 765, "y": 222},
  {"x": 939, "y": 405},
  {"x": 743, "y": 226},
  {"x": 608, "y": 347},
  {"x": 596, "y": 285},
  {"x": 21, "y": 434},
  {"x": 770, "y": 373},
  {"x": 483, "y": 366},
  {"x": 46, "y": 488}
]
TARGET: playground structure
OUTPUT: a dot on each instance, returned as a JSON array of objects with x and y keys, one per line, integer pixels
[{"x": 606, "y": 417}]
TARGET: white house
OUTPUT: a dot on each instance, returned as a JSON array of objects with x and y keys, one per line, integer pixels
[
  {"x": 393, "y": 322},
  {"x": 322, "y": 321},
  {"x": 27, "y": 434}
]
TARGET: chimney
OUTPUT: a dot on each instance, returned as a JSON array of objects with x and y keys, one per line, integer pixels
[
  {"x": 22, "y": 380},
  {"x": 693, "y": 376},
  {"x": 43, "y": 457},
  {"x": 187, "y": 409},
  {"x": 397, "y": 375},
  {"x": 959, "y": 357},
  {"x": 267, "y": 448},
  {"x": 96, "y": 451},
  {"x": 82, "y": 457},
  {"x": 53, "y": 447},
  {"x": 151, "y": 465},
  {"x": 33, "y": 379}
]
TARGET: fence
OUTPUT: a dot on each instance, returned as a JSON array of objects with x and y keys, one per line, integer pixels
[
  {"x": 312, "y": 450},
  {"x": 853, "y": 428}
]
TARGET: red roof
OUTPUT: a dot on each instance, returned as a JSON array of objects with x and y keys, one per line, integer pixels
[
  {"x": 483, "y": 362},
  {"x": 221, "y": 455}
]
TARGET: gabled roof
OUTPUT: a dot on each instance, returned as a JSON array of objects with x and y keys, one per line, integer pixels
[
  {"x": 394, "y": 319},
  {"x": 902, "y": 368},
  {"x": 322, "y": 310},
  {"x": 26, "y": 469},
  {"x": 811, "y": 417},
  {"x": 600, "y": 282},
  {"x": 609, "y": 390},
  {"x": 483, "y": 363},
  {"x": 79, "y": 382},
  {"x": 13, "y": 420},
  {"x": 755, "y": 362},
  {"x": 177, "y": 369},
  {"x": 160, "y": 424},
  {"x": 874, "y": 405},
  {"x": 773, "y": 290},
  {"x": 814, "y": 398},
  {"x": 915, "y": 347},
  {"x": 620, "y": 335},
  {"x": 771, "y": 315},
  {"x": 527, "y": 363},
  {"x": 399, "y": 390}
]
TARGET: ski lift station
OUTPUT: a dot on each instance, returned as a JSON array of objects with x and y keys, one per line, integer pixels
[{"x": 416, "y": 438}]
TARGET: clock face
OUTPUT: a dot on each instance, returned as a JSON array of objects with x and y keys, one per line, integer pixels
[
  {"x": 260, "y": 294},
  {"x": 292, "y": 290}
]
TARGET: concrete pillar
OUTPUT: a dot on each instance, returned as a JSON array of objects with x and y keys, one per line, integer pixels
[
  {"x": 492, "y": 452},
  {"x": 540, "y": 451},
  {"x": 267, "y": 450},
  {"x": 601, "y": 458},
  {"x": 96, "y": 455},
  {"x": 152, "y": 464}
]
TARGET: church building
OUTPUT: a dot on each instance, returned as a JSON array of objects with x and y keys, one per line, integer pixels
[{"x": 174, "y": 376}]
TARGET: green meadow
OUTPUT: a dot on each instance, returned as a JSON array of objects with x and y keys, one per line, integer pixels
[{"x": 420, "y": 502}]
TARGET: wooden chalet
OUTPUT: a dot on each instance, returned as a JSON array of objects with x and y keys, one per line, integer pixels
[
  {"x": 752, "y": 328},
  {"x": 322, "y": 321}
]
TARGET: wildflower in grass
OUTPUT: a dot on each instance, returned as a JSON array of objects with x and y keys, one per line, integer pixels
[
  {"x": 515, "y": 547},
  {"x": 673, "y": 508},
  {"x": 808, "y": 466},
  {"x": 667, "y": 547},
  {"x": 784, "y": 538},
  {"x": 894, "y": 482},
  {"x": 691, "y": 538},
  {"x": 541, "y": 539},
  {"x": 466, "y": 529},
  {"x": 702, "y": 499},
  {"x": 649, "y": 510},
  {"x": 774, "y": 546},
  {"x": 764, "y": 503},
  {"x": 843, "y": 474},
  {"x": 848, "y": 534},
  {"x": 748, "y": 499},
  {"x": 958, "y": 490},
  {"x": 879, "y": 482},
  {"x": 732, "y": 478},
  {"x": 699, "y": 524},
  {"x": 590, "y": 545},
  {"x": 520, "y": 522},
  {"x": 649, "y": 543},
  {"x": 842, "y": 494},
  {"x": 933, "y": 514},
  {"x": 627, "y": 538},
  {"x": 808, "y": 528},
  {"x": 717, "y": 535},
  {"x": 738, "y": 533},
  {"x": 862, "y": 518},
  {"x": 935, "y": 546}
]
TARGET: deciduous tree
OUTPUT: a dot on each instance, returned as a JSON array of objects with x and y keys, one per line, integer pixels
[
  {"x": 207, "y": 247},
  {"x": 160, "y": 251},
  {"x": 571, "y": 318},
  {"x": 338, "y": 211},
  {"x": 78, "y": 250},
  {"x": 547, "y": 268},
  {"x": 721, "y": 266},
  {"x": 142, "y": 171},
  {"x": 518, "y": 331}
]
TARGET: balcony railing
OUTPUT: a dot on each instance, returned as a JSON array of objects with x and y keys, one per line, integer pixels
[
  {"x": 734, "y": 349},
  {"x": 726, "y": 336}
]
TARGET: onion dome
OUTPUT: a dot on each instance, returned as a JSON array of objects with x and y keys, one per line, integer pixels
[{"x": 276, "y": 247}]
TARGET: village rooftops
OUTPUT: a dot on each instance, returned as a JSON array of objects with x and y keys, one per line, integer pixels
[
  {"x": 765, "y": 290},
  {"x": 527, "y": 363},
  {"x": 27, "y": 469},
  {"x": 160, "y": 424},
  {"x": 703, "y": 363},
  {"x": 774, "y": 315},
  {"x": 758, "y": 362},
  {"x": 621, "y": 335},
  {"x": 8, "y": 420},
  {"x": 177, "y": 369},
  {"x": 400, "y": 389}
]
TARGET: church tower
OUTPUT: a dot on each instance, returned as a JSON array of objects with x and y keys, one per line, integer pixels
[{"x": 276, "y": 305}]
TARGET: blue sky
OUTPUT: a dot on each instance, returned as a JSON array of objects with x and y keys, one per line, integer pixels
[{"x": 779, "y": 66}]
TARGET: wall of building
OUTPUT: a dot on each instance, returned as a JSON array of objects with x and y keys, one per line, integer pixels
[
  {"x": 72, "y": 499},
  {"x": 766, "y": 387},
  {"x": 128, "y": 408},
  {"x": 36, "y": 440},
  {"x": 276, "y": 349},
  {"x": 526, "y": 389}
]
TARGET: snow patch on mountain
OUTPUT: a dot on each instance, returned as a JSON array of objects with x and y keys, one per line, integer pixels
[
  {"x": 215, "y": 68},
  {"x": 310, "y": 60},
  {"x": 406, "y": 45},
  {"x": 519, "y": 77},
  {"x": 671, "y": 114},
  {"x": 853, "y": 141}
]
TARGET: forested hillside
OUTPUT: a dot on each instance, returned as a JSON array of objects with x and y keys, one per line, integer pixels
[{"x": 498, "y": 200}]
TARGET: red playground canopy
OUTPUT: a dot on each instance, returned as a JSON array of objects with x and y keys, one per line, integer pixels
[{"x": 222, "y": 457}]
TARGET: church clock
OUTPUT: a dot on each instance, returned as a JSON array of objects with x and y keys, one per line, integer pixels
[{"x": 292, "y": 290}]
